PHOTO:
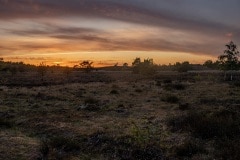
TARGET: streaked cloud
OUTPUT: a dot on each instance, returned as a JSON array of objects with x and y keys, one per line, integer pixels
[{"x": 60, "y": 26}]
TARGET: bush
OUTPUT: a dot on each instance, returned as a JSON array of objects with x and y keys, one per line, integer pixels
[
  {"x": 138, "y": 90},
  {"x": 178, "y": 86},
  {"x": 183, "y": 106},
  {"x": 5, "y": 124},
  {"x": 189, "y": 148},
  {"x": 228, "y": 149},
  {"x": 167, "y": 81},
  {"x": 66, "y": 144},
  {"x": 207, "y": 125},
  {"x": 170, "y": 98},
  {"x": 91, "y": 100},
  {"x": 114, "y": 92}
]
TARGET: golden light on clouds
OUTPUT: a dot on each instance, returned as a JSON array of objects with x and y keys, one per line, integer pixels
[
  {"x": 110, "y": 32},
  {"x": 109, "y": 58}
]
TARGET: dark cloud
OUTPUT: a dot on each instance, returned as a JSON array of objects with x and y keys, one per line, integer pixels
[
  {"x": 193, "y": 16},
  {"x": 54, "y": 30},
  {"x": 130, "y": 11}
]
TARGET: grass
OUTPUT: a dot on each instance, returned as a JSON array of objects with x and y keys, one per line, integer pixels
[{"x": 123, "y": 119}]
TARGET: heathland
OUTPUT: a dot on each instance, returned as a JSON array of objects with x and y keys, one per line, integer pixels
[{"x": 66, "y": 114}]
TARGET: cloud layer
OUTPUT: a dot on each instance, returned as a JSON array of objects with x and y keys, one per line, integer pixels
[{"x": 191, "y": 26}]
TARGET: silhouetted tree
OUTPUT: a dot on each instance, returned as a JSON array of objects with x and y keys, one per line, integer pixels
[
  {"x": 87, "y": 66},
  {"x": 212, "y": 65},
  {"x": 208, "y": 63},
  {"x": 125, "y": 64},
  {"x": 182, "y": 67},
  {"x": 228, "y": 61},
  {"x": 146, "y": 67}
]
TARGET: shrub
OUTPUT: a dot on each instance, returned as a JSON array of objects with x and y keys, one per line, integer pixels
[
  {"x": 44, "y": 149},
  {"x": 167, "y": 81},
  {"x": 91, "y": 100},
  {"x": 114, "y": 92},
  {"x": 228, "y": 148},
  {"x": 170, "y": 98},
  {"x": 206, "y": 124},
  {"x": 66, "y": 144},
  {"x": 178, "y": 86},
  {"x": 183, "y": 106},
  {"x": 5, "y": 124},
  {"x": 189, "y": 148},
  {"x": 158, "y": 83},
  {"x": 138, "y": 90}
]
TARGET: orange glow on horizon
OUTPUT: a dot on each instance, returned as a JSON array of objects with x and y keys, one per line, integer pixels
[{"x": 108, "y": 58}]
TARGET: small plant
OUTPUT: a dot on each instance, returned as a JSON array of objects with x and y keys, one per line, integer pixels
[
  {"x": 114, "y": 92},
  {"x": 167, "y": 81},
  {"x": 170, "y": 98},
  {"x": 44, "y": 149},
  {"x": 91, "y": 100},
  {"x": 189, "y": 148},
  {"x": 177, "y": 86},
  {"x": 140, "y": 135},
  {"x": 159, "y": 83},
  {"x": 138, "y": 90},
  {"x": 5, "y": 124},
  {"x": 183, "y": 106},
  {"x": 66, "y": 144}
]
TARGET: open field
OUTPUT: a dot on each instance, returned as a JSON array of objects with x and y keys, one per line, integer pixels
[{"x": 119, "y": 115}]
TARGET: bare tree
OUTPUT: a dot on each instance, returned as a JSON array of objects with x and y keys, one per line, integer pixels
[{"x": 87, "y": 66}]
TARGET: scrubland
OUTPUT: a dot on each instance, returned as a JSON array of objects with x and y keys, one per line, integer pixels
[{"x": 120, "y": 116}]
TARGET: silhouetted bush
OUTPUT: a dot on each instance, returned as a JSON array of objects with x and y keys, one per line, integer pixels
[
  {"x": 147, "y": 67},
  {"x": 182, "y": 67}
]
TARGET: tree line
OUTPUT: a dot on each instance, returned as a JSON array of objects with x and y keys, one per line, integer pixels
[{"x": 228, "y": 61}]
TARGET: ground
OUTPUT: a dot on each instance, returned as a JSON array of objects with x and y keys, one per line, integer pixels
[{"x": 123, "y": 116}]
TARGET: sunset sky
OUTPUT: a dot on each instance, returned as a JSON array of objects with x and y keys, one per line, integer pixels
[{"x": 107, "y": 32}]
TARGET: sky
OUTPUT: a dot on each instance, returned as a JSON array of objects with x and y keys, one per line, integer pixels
[{"x": 108, "y": 32}]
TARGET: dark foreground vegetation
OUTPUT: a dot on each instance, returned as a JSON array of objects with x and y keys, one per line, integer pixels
[{"x": 119, "y": 115}]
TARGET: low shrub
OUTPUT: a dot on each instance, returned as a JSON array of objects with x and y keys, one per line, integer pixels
[
  {"x": 66, "y": 144},
  {"x": 170, "y": 98},
  {"x": 114, "y": 92},
  {"x": 228, "y": 148},
  {"x": 5, "y": 124},
  {"x": 177, "y": 86},
  {"x": 189, "y": 148},
  {"x": 183, "y": 106},
  {"x": 138, "y": 90},
  {"x": 207, "y": 125},
  {"x": 167, "y": 81},
  {"x": 91, "y": 100}
]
